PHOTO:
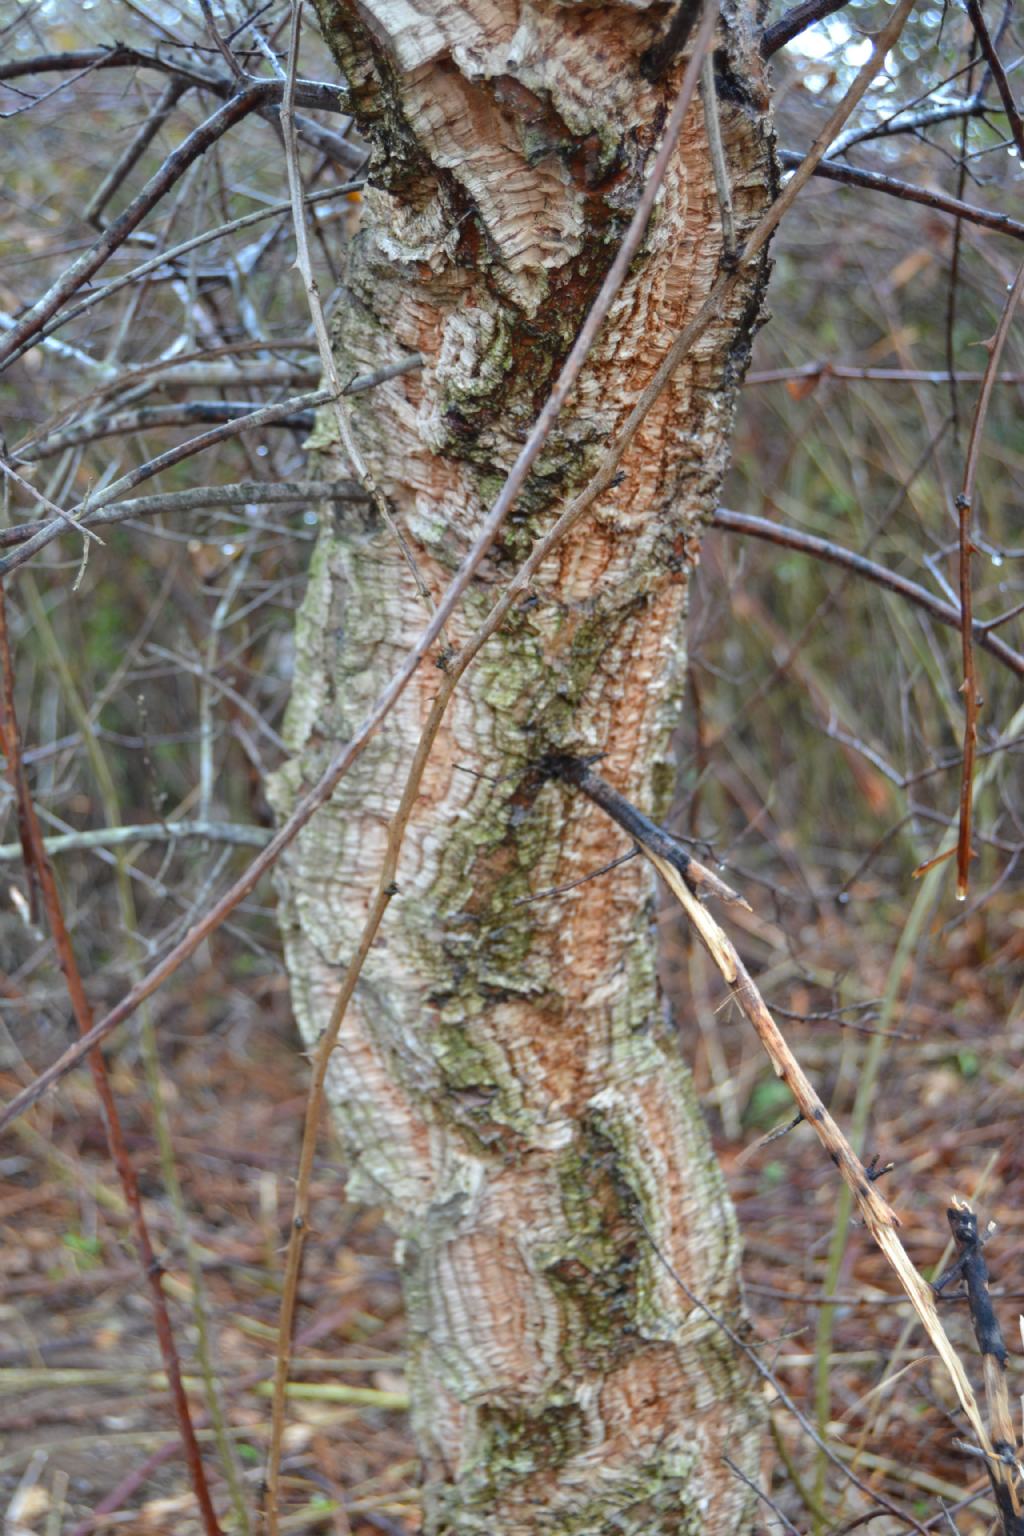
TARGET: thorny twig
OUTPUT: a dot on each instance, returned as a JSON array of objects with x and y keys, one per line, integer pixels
[{"x": 133, "y": 152}]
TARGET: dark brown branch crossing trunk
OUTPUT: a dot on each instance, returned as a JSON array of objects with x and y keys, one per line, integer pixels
[{"x": 504, "y": 1084}]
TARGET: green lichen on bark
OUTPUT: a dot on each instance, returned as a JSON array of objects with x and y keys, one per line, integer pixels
[{"x": 654, "y": 1500}]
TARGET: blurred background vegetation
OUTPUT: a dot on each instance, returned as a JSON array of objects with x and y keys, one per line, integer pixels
[{"x": 819, "y": 759}]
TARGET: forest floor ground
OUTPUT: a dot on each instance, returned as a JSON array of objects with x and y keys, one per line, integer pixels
[{"x": 87, "y": 1437}]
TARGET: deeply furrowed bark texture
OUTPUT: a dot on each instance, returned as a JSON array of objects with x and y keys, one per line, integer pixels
[{"x": 505, "y": 1085}]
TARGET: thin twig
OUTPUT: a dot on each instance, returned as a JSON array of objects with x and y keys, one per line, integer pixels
[
  {"x": 188, "y": 664},
  {"x": 116, "y": 233},
  {"x": 155, "y": 263},
  {"x": 833, "y": 597},
  {"x": 208, "y": 682},
  {"x": 244, "y": 493},
  {"x": 151, "y": 1266},
  {"x": 304, "y": 265},
  {"x": 905, "y": 121},
  {"x": 252, "y": 420},
  {"x": 848, "y": 559},
  {"x": 264, "y": 417},
  {"x": 574, "y": 885},
  {"x": 309, "y": 93},
  {"x": 716, "y": 152},
  {"x": 964, "y": 507},
  {"x": 769, "y": 1376},
  {"x": 146, "y": 418},
  {"x": 874, "y": 181},
  {"x": 107, "y": 790},
  {"x": 234, "y": 832},
  {"x": 796, "y": 21},
  {"x": 132, "y": 154},
  {"x": 779, "y": 1514},
  {"x": 139, "y": 1476},
  {"x": 998, "y": 73},
  {"x": 44, "y": 501},
  {"x": 34, "y": 101},
  {"x": 121, "y": 56},
  {"x": 649, "y": 837},
  {"x": 829, "y": 370},
  {"x": 234, "y": 68}
]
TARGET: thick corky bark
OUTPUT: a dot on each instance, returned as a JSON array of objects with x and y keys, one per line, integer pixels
[{"x": 505, "y": 1084}]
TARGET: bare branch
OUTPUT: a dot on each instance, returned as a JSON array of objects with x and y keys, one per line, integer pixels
[
  {"x": 233, "y": 66},
  {"x": 827, "y": 370},
  {"x": 904, "y": 121},
  {"x": 316, "y": 94},
  {"x": 202, "y": 497},
  {"x": 33, "y": 101},
  {"x": 995, "y": 65},
  {"x": 261, "y": 418},
  {"x": 848, "y": 559},
  {"x": 796, "y": 21},
  {"x": 90, "y": 261},
  {"x": 874, "y": 181},
  {"x": 148, "y": 832},
  {"x": 165, "y": 258},
  {"x": 145, "y": 418},
  {"x": 134, "y": 151}
]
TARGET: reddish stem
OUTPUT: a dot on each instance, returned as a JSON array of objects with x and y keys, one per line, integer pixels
[{"x": 41, "y": 868}]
